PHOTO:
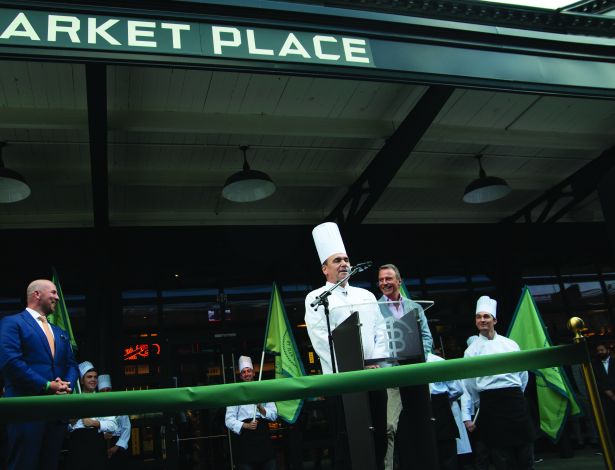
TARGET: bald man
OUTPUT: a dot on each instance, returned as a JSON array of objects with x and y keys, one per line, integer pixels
[{"x": 36, "y": 359}]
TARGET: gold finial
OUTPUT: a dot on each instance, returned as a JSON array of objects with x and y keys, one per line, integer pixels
[{"x": 575, "y": 324}]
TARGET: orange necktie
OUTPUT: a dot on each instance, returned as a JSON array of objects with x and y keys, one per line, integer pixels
[{"x": 47, "y": 330}]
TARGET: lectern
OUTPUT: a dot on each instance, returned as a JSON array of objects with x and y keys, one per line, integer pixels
[
  {"x": 416, "y": 428},
  {"x": 359, "y": 429}
]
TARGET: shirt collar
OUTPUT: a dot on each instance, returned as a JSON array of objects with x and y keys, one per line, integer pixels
[
  {"x": 34, "y": 313},
  {"x": 401, "y": 298},
  {"x": 484, "y": 338},
  {"x": 339, "y": 289}
]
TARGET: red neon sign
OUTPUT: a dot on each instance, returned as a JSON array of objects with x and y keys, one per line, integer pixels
[{"x": 141, "y": 351}]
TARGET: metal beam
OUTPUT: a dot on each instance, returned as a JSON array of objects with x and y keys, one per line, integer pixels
[
  {"x": 96, "y": 88},
  {"x": 367, "y": 189},
  {"x": 553, "y": 204}
]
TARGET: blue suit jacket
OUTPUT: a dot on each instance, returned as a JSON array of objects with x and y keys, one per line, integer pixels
[{"x": 25, "y": 357}]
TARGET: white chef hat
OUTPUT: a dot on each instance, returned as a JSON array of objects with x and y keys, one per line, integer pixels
[
  {"x": 328, "y": 240},
  {"x": 85, "y": 367},
  {"x": 488, "y": 305},
  {"x": 245, "y": 361},
  {"x": 104, "y": 381}
]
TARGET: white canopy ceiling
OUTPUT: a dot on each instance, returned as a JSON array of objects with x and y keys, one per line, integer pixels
[{"x": 174, "y": 137}]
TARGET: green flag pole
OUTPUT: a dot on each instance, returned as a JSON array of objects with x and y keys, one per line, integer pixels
[
  {"x": 556, "y": 399},
  {"x": 279, "y": 341},
  {"x": 61, "y": 319}
]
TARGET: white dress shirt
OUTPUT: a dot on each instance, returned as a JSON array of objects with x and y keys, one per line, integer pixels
[
  {"x": 107, "y": 424},
  {"x": 451, "y": 387},
  {"x": 342, "y": 302},
  {"x": 123, "y": 431},
  {"x": 35, "y": 315}
]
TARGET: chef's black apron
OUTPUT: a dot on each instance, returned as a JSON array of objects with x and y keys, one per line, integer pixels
[
  {"x": 503, "y": 418},
  {"x": 252, "y": 446}
]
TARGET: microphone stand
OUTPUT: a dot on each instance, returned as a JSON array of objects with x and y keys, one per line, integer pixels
[{"x": 323, "y": 299}]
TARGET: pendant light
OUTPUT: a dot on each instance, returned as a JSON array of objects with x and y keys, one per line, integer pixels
[
  {"x": 13, "y": 186},
  {"x": 485, "y": 188},
  {"x": 247, "y": 185}
]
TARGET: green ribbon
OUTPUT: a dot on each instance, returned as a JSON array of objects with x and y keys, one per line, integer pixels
[{"x": 219, "y": 396}]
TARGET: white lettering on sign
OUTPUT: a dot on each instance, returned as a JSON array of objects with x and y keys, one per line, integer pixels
[
  {"x": 293, "y": 46},
  {"x": 219, "y": 43},
  {"x": 176, "y": 30},
  {"x": 20, "y": 21},
  {"x": 101, "y": 31},
  {"x": 318, "y": 40},
  {"x": 126, "y": 34},
  {"x": 350, "y": 50},
  {"x": 252, "y": 45},
  {"x": 54, "y": 27},
  {"x": 134, "y": 33}
]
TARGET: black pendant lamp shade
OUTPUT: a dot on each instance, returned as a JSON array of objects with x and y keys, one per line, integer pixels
[
  {"x": 248, "y": 185},
  {"x": 13, "y": 186},
  {"x": 485, "y": 188}
]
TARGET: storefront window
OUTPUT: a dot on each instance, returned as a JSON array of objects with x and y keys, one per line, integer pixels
[
  {"x": 140, "y": 316},
  {"x": 584, "y": 294}
]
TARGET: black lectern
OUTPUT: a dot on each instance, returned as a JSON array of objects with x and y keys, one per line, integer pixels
[
  {"x": 416, "y": 433},
  {"x": 349, "y": 354}
]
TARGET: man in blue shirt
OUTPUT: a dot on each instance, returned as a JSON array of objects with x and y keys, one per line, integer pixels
[{"x": 399, "y": 429}]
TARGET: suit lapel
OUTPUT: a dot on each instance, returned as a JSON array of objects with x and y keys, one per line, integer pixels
[
  {"x": 384, "y": 308},
  {"x": 25, "y": 315},
  {"x": 58, "y": 334}
]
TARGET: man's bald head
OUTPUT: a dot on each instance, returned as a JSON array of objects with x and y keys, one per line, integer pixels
[{"x": 42, "y": 296}]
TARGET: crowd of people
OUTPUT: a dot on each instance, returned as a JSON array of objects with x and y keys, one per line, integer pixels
[
  {"x": 494, "y": 410},
  {"x": 422, "y": 426}
]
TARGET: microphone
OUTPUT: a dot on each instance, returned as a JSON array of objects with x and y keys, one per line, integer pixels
[{"x": 357, "y": 268}]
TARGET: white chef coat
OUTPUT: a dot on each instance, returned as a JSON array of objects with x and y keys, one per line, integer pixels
[
  {"x": 235, "y": 415},
  {"x": 499, "y": 344},
  {"x": 342, "y": 302}
]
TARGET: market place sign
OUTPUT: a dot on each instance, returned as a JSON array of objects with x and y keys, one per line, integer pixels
[{"x": 147, "y": 36}]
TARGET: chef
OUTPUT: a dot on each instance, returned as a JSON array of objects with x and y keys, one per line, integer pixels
[{"x": 503, "y": 419}]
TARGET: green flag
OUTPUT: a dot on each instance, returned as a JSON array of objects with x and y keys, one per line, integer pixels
[
  {"x": 60, "y": 316},
  {"x": 279, "y": 340},
  {"x": 555, "y": 397}
]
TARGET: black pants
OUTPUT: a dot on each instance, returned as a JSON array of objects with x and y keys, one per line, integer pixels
[
  {"x": 87, "y": 450},
  {"x": 513, "y": 458},
  {"x": 415, "y": 439},
  {"x": 120, "y": 460}
]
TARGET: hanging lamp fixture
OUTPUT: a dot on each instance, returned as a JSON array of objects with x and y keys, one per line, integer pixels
[
  {"x": 13, "y": 186},
  {"x": 485, "y": 188},
  {"x": 248, "y": 185}
]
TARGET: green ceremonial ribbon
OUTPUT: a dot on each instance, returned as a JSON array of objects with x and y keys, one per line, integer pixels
[{"x": 219, "y": 396}]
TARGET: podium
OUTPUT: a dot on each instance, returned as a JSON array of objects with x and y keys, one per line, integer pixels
[
  {"x": 397, "y": 341},
  {"x": 357, "y": 409},
  {"x": 416, "y": 430}
]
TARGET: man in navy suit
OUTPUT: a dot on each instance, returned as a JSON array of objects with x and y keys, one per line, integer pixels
[
  {"x": 36, "y": 359},
  {"x": 604, "y": 368}
]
